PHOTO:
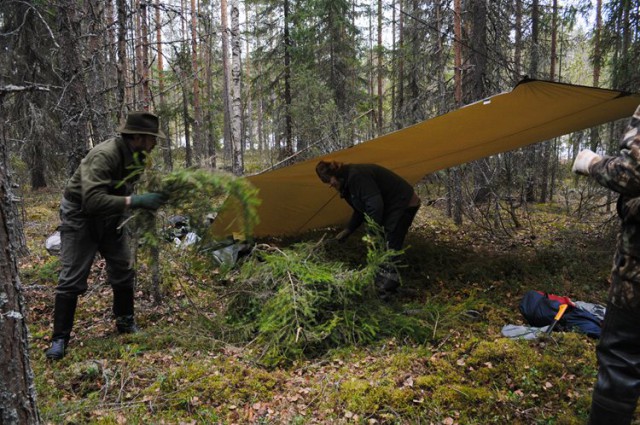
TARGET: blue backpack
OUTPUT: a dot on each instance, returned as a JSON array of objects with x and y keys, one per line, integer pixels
[{"x": 539, "y": 309}]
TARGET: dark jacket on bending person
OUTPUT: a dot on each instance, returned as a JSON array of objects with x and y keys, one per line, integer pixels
[{"x": 377, "y": 192}]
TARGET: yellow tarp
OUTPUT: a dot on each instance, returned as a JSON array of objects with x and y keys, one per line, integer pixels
[{"x": 295, "y": 200}]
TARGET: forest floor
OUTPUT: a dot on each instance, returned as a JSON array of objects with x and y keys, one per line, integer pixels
[{"x": 466, "y": 282}]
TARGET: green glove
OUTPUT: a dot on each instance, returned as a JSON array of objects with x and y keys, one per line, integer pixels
[{"x": 149, "y": 200}]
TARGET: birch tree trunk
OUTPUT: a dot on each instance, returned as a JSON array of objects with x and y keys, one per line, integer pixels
[{"x": 236, "y": 67}]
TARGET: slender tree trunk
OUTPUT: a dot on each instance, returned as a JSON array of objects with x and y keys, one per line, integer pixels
[
  {"x": 198, "y": 146},
  {"x": 455, "y": 189},
  {"x": 145, "y": 99},
  {"x": 370, "y": 71},
  {"x": 17, "y": 388},
  {"x": 380, "y": 70},
  {"x": 121, "y": 91},
  {"x": 531, "y": 153},
  {"x": 138, "y": 68},
  {"x": 37, "y": 167},
  {"x": 209, "y": 121},
  {"x": 547, "y": 146},
  {"x": 247, "y": 93},
  {"x": 236, "y": 68},
  {"x": 98, "y": 79},
  {"x": 594, "y": 136},
  {"x": 187, "y": 136},
  {"x": 535, "y": 18},
  {"x": 554, "y": 41},
  {"x": 400, "y": 80},
  {"x": 74, "y": 118},
  {"x": 226, "y": 72},
  {"x": 394, "y": 60},
  {"x": 517, "y": 55},
  {"x": 288, "y": 148},
  {"x": 457, "y": 62},
  {"x": 475, "y": 87},
  {"x": 167, "y": 151}
]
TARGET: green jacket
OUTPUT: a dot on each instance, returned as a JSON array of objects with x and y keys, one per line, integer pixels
[{"x": 98, "y": 183}]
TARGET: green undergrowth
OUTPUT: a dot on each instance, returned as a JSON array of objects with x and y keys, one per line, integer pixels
[{"x": 297, "y": 334}]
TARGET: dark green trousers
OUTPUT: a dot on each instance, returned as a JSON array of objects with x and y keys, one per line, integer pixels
[{"x": 82, "y": 237}]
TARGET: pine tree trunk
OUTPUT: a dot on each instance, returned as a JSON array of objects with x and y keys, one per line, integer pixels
[
  {"x": 73, "y": 102},
  {"x": 145, "y": 97},
  {"x": 554, "y": 41},
  {"x": 533, "y": 68},
  {"x": 380, "y": 70},
  {"x": 121, "y": 91},
  {"x": 457, "y": 61},
  {"x": 400, "y": 79},
  {"x": 594, "y": 136},
  {"x": 198, "y": 145},
  {"x": 17, "y": 389},
  {"x": 167, "y": 151},
  {"x": 517, "y": 54},
  {"x": 99, "y": 82},
  {"x": 226, "y": 73},
  {"x": 394, "y": 61},
  {"x": 210, "y": 141},
  {"x": 248, "y": 98},
  {"x": 455, "y": 190},
  {"x": 288, "y": 143}
]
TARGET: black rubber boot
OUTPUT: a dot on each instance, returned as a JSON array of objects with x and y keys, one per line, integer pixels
[
  {"x": 123, "y": 310},
  {"x": 63, "y": 314},
  {"x": 387, "y": 283},
  {"x": 126, "y": 325},
  {"x": 609, "y": 412},
  {"x": 615, "y": 393}
]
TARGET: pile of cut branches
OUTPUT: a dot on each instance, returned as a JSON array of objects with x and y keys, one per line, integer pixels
[{"x": 294, "y": 303}]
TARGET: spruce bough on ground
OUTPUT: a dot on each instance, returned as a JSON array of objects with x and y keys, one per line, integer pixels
[{"x": 297, "y": 303}]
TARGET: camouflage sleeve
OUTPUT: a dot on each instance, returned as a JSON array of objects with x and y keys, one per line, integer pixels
[
  {"x": 632, "y": 133},
  {"x": 619, "y": 173}
]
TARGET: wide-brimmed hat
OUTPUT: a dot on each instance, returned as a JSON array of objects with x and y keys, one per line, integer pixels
[{"x": 142, "y": 123}]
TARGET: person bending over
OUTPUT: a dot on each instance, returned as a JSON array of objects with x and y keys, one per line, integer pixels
[{"x": 388, "y": 199}]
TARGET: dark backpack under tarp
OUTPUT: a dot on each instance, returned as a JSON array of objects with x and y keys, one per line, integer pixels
[{"x": 539, "y": 309}]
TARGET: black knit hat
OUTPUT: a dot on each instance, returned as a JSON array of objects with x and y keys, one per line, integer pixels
[{"x": 142, "y": 122}]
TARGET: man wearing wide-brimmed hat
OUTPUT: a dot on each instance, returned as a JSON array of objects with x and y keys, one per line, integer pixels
[{"x": 96, "y": 201}]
